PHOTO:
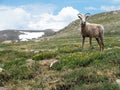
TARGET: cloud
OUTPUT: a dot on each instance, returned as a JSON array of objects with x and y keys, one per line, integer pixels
[
  {"x": 39, "y": 8},
  {"x": 103, "y": 8},
  {"x": 91, "y": 8},
  {"x": 11, "y": 17},
  {"x": 110, "y": 8},
  {"x": 63, "y": 18},
  {"x": 35, "y": 17},
  {"x": 115, "y": 0}
]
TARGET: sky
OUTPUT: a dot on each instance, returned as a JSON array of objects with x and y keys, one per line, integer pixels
[{"x": 48, "y": 14}]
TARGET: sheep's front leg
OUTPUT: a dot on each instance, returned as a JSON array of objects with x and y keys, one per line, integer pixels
[
  {"x": 83, "y": 40},
  {"x": 90, "y": 41}
]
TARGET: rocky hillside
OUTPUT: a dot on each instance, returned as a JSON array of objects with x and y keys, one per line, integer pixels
[{"x": 110, "y": 21}]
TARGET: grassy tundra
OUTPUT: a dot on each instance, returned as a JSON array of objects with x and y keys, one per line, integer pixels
[{"x": 26, "y": 64}]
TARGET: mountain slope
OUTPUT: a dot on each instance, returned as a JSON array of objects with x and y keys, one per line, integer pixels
[
  {"x": 110, "y": 21},
  {"x": 9, "y": 35}
]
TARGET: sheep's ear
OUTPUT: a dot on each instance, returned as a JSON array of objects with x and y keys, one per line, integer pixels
[{"x": 80, "y": 17}]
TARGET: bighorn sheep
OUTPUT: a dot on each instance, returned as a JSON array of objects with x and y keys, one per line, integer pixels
[{"x": 91, "y": 30}]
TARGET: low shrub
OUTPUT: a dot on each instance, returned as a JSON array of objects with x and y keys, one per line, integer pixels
[
  {"x": 113, "y": 56},
  {"x": 73, "y": 60},
  {"x": 44, "y": 55},
  {"x": 8, "y": 55},
  {"x": 84, "y": 79},
  {"x": 68, "y": 49},
  {"x": 97, "y": 86},
  {"x": 83, "y": 59},
  {"x": 4, "y": 77},
  {"x": 18, "y": 70}
]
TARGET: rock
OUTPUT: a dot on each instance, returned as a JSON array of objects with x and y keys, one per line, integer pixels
[
  {"x": 54, "y": 63},
  {"x": 35, "y": 52},
  {"x": 53, "y": 82},
  {"x": 7, "y": 42},
  {"x": 1, "y": 70},
  {"x": 118, "y": 81},
  {"x": 38, "y": 51}
]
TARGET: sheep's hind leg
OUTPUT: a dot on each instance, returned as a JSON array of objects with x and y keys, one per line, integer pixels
[
  {"x": 102, "y": 43},
  {"x": 99, "y": 43}
]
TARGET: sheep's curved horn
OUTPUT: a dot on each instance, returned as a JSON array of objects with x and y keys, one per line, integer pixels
[
  {"x": 79, "y": 14},
  {"x": 87, "y": 14}
]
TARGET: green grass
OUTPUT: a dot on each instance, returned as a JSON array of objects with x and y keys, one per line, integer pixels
[
  {"x": 17, "y": 70},
  {"x": 9, "y": 55},
  {"x": 89, "y": 68},
  {"x": 44, "y": 55}
]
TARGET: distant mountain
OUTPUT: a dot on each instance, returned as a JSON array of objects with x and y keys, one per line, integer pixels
[
  {"x": 24, "y": 35},
  {"x": 48, "y": 32}
]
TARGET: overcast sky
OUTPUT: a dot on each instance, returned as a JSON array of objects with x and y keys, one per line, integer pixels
[{"x": 48, "y": 14}]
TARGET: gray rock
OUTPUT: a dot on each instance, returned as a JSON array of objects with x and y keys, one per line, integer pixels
[
  {"x": 118, "y": 81},
  {"x": 38, "y": 51},
  {"x": 1, "y": 70},
  {"x": 54, "y": 63}
]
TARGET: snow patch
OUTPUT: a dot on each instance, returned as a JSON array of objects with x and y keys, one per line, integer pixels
[{"x": 30, "y": 35}]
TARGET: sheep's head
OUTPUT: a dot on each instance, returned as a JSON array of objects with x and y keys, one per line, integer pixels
[{"x": 83, "y": 18}]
